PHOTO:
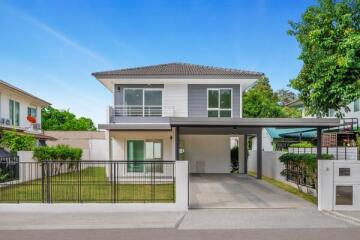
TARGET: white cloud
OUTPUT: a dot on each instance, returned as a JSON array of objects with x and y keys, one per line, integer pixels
[{"x": 57, "y": 34}]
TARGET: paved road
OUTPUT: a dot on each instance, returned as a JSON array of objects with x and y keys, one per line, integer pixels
[{"x": 174, "y": 234}]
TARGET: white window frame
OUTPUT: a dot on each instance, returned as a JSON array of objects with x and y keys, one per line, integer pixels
[
  {"x": 218, "y": 109},
  {"x": 144, "y": 140},
  {"x": 357, "y": 102},
  {"x": 143, "y": 94}
]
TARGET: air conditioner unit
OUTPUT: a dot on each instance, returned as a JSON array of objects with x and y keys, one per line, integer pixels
[
  {"x": 36, "y": 126},
  {"x": 7, "y": 122},
  {"x": 2, "y": 121}
]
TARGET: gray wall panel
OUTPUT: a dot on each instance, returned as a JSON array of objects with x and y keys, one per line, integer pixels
[{"x": 197, "y": 102}]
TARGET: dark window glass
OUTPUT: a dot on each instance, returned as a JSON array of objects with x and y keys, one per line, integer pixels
[
  {"x": 225, "y": 98},
  {"x": 213, "y": 99},
  {"x": 344, "y": 195},
  {"x": 344, "y": 171},
  {"x": 213, "y": 113},
  {"x": 225, "y": 113}
]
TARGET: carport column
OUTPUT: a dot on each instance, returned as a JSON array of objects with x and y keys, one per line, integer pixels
[
  {"x": 177, "y": 142},
  {"x": 259, "y": 153},
  {"x": 245, "y": 154},
  {"x": 319, "y": 143}
]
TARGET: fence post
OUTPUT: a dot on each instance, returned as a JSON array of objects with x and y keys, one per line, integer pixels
[
  {"x": 42, "y": 183},
  {"x": 345, "y": 152},
  {"x": 152, "y": 181},
  {"x": 79, "y": 181},
  {"x": 48, "y": 188}
]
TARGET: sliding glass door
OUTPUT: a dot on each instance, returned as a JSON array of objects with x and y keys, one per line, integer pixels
[
  {"x": 140, "y": 150},
  {"x": 135, "y": 152},
  {"x": 143, "y": 102}
]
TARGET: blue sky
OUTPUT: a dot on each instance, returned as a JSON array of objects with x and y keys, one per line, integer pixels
[{"x": 50, "y": 48}]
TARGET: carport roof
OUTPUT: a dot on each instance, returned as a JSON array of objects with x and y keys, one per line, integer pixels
[
  {"x": 229, "y": 122},
  {"x": 255, "y": 122}
]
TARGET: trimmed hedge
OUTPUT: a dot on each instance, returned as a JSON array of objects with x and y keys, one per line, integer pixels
[
  {"x": 302, "y": 144},
  {"x": 303, "y": 157},
  {"x": 302, "y": 168},
  {"x": 59, "y": 152}
]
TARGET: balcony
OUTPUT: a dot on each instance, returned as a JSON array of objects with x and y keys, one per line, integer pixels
[{"x": 118, "y": 112}]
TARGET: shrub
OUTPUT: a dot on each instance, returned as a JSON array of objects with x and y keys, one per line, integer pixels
[
  {"x": 302, "y": 144},
  {"x": 59, "y": 152},
  {"x": 17, "y": 142}
]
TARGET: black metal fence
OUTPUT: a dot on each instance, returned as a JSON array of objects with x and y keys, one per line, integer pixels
[
  {"x": 91, "y": 181},
  {"x": 300, "y": 174},
  {"x": 9, "y": 169}
]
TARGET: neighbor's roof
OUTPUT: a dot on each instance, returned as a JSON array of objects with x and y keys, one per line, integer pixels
[
  {"x": 178, "y": 69},
  {"x": 291, "y": 132},
  {"x": 22, "y": 92},
  {"x": 295, "y": 103}
]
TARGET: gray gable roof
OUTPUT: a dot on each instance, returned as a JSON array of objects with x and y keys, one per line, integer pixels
[{"x": 176, "y": 70}]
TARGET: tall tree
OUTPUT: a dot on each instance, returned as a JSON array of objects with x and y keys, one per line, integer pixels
[
  {"x": 329, "y": 38},
  {"x": 54, "y": 119},
  {"x": 285, "y": 96},
  {"x": 260, "y": 101}
]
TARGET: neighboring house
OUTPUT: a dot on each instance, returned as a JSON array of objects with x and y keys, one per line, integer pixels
[
  {"x": 183, "y": 111},
  {"x": 278, "y": 139},
  {"x": 345, "y": 133},
  {"x": 354, "y": 108},
  {"x": 21, "y": 111}
]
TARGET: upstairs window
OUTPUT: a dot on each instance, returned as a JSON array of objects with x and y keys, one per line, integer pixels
[
  {"x": 219, "y": 103},
  {"x": 14, "y": 112},
  {"x": 143, "y": 102},
  {"x": 32, "y": 111},
  {"x": 357, "y": 105}
]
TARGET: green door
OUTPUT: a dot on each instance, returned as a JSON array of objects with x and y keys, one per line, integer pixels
[{"x": 135, "y": 152}]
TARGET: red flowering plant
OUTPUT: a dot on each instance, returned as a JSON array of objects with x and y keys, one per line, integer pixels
[{"x": 31, "y": 119}]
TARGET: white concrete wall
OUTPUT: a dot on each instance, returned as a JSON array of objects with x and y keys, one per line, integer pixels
[
  {"x": 271, "y": 166},
  {"x": 329, "y": 178},
  {"x": 97, "y": 149},
  {"x": 340, "y": 153},
  {"x": 208, "y": 153},
  {"x": 176, "y": 95},
  {"x": 267, "y": 141}
]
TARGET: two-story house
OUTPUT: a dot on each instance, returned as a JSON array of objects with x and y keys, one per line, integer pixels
[
  {"x": 183, "y": 111},
  {"x": 21, "y": 111}
]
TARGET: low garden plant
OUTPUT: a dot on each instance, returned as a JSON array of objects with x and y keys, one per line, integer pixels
[
  {"x": 302, "y": 144},
  {"x": 59, "y": 154},
  {"x": 302, "y": 168},
  {"x": 17, "y": 142}
]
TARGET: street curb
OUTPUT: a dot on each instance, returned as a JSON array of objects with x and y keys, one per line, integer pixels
[{"x": 343, "y": 217}]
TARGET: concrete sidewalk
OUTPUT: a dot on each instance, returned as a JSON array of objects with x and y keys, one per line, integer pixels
[
  {"x": 260, "y": 219},
  {"x": 192, "y": 220},
  {"x": 96, "y": 220}
]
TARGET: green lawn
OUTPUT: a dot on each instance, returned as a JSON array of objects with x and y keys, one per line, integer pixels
[
  {"x": 287, "y": 188},
  {"x": 94, "y": 187}
]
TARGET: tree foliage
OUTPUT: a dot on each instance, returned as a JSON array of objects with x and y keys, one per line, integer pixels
[
  {"x": 54, "y": 119},
  {"x": 285, "y": 96},
  {"x": 329, "y": 38},
  {"x": 261, "y": 101},
  {"x": 17, "y": 142}
]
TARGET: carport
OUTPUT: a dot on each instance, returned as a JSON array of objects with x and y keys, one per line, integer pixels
[
  {"x": 239, "y": 190},
  {"x": 245, "y": 127}
]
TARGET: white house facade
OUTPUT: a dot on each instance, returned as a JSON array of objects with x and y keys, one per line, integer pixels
[
  {"x": 183, "y": 111},
  {"x": 20, "y": 110}
]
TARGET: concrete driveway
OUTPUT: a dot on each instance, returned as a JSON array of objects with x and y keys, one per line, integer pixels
[{"x": 239, "y": 191}]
